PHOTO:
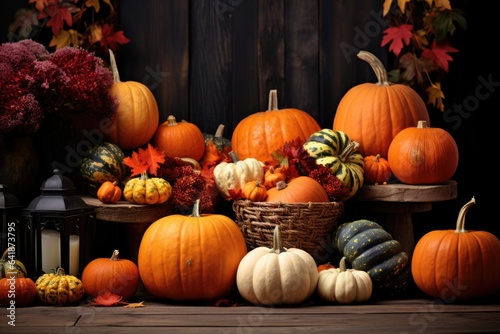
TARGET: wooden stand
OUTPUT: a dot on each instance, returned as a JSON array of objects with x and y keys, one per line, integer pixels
[
  {"x": 395, "y": 204},
  {"x": 136, "y": 218}
]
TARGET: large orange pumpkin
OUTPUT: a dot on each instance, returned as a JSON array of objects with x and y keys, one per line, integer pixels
[
  {"x": 302, "y": 189},
  {"x": 191, "y": 257},
  {"x": 423, "y": 155},
  {"x": 180, "y": 139},
  {"x": 115, "y": 275},
  {"x": 457, "y": 264},
  {"x": 137, "y": 116},
  {"x": 372, "y": 114},
  {"x": 260, "y": 134}
]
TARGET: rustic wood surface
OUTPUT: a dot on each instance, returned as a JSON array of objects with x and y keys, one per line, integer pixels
[{"x": 417, "y": 315}]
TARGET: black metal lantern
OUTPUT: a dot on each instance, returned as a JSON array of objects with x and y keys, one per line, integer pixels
[
  {"x": 9, "y": 217},
  {"x": 57, "y": 228}
]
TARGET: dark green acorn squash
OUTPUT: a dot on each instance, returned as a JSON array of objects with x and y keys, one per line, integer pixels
[
  {"x": 103, "y": 163},
  {"x": 368, "y": 247}
]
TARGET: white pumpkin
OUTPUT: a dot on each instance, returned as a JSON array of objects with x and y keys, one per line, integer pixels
[
  {"x": 344, "y": 286},
  {"x": 277, "y": 276}
]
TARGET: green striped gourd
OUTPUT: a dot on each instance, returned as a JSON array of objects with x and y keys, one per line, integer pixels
[
  {"x": 103, "y": 163},
  {"x": 10, "y": 266},
  {"x": 368, "y": 247},
  {"x": 335, "y": 150}
]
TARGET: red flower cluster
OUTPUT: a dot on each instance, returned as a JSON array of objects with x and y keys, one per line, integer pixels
[{"x": 35, "y": 83}]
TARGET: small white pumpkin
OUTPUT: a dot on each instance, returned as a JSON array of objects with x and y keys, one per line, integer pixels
[
  {"x": 344, "y": 286},
  {"x": 234, "y": 175},
  {"x": 277, "y": 276}
]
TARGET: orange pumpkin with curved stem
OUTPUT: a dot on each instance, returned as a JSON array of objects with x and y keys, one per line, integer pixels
[
  {"x": 457, "y": 264},
  {"x": 372, "y": 114},
  {"x": 376, "y": 169}
]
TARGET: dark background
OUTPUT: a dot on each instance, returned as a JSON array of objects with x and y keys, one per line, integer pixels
[{"x": 212, "y": 62}]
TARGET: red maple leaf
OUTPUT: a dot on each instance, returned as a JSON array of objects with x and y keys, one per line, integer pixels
[
  {"x": 58, "y": 16},
  {"x": 145, "y": 161},
  {"x": 438, "y": 53},
  {"x": 108, "y": 299},
  {"x": 398, "y": 37},
  {"x": 111, "y": 39}
]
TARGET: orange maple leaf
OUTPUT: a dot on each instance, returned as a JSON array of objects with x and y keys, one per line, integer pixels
[
  {"x": 439, "y": 54},
  {"x": 435, "y": 96},
  {"x": 397, "y": 37},
  {"x": 40, "y": 4},
  {"x": 108, "y": 299},
  {"x": 145, "y": 161}
]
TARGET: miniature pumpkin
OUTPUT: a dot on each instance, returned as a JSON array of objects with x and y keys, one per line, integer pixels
[
  {"x": 234, "y": 175},
  {"x": 273, "y": 176},
  {"x": 191, "y": 257},
  {"x": 325, "y": 266},
  {"x": 372, "y": 114},
  {"x": 109, "y": 192},
  {"x": 147, "y": 190},
  {"x": 368, "y": 247},
  {"x": 377, "y": 170},
  {"x": 344, "y": 286},
  {"x": 254, "y": 191},
  {"x": 137, "y": 115},
  {"x": 59, "y": 289},
  {"x": 260, "y": 134},
  {"x": 9, "y": 265},
  {"x": 423, "y": 155},
  {"x": 115, "y": 275},
  {"x": 334, "y": 149},
  {"x": 180, "y": 139},
  {"x": 104, "y": 162},
  {"x": 277, "y": 276},
  {"x": 22, "y": 290},
  {"x": 302, "y": 189},
  {"x": 457, "y": 264}
]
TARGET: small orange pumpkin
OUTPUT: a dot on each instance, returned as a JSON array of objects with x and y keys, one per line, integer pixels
[
  {"x": 302, "y": 189},
  {"x": 109, "y": 192},
  {"x": 254, "y": 191},
  {"x": 273, "y": 176},
  {"x": 137, "y": 116},
  {"x": 377, "y": 169},
  {"x": 372, "y": 114},
  {"x": 180, "y": 139},
  {"x": 260, "y": 134},
  {"x": 115, "y": 275},
  {"x": 423, "y": 155},
  {"x": 457, "y": 264},
  {"x": 22, "y": 290}
]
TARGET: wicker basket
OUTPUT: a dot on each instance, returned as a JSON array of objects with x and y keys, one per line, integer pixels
[{"x": 308, "y": 226}]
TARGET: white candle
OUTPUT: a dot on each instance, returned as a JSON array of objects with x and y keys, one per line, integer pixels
[{"x": 51, "y": 252}]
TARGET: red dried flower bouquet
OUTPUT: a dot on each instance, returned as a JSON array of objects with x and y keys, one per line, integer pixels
[{"x": 36, "y": 84}]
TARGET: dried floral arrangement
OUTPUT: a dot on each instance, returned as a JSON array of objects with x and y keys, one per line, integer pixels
[
  {"x": 419, "y": 36},
  {"x": 88, "y": 24},
  {"x": 37, "y": 84}
]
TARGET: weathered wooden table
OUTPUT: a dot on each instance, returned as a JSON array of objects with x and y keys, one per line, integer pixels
[{"x": 395, "y": 204}]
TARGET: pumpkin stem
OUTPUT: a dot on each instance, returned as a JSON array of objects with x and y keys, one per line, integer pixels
[
  {"x": 377, "y": 67},
  {"x": 171, "y": 120},
  {"x": 60, "y": 271},
  {"x": 196, "y": 209},
  {"x": 114, "y": 67},
  {"x": 114, "y": 256},
  {"x": 144, "y": 176},
  {"x": 234, "y": 156},
  {"x": 461, "y": 216},
  {"x": 277, "y": 243},
  {"x": 348, "y": 150},
  {"x": 220, "y": 131},
  {"x": 280, "y": 185},
  {"x": 422, "y": 125},
  {"x": 273, "y": 100},
  {"x": 377, "y": 158},
  {"x": 342, "y": 266},
  {"x": 4, "y": 256}
]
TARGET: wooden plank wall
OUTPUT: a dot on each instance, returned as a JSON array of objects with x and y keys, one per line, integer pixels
[{"x": 214, "y": 61}]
